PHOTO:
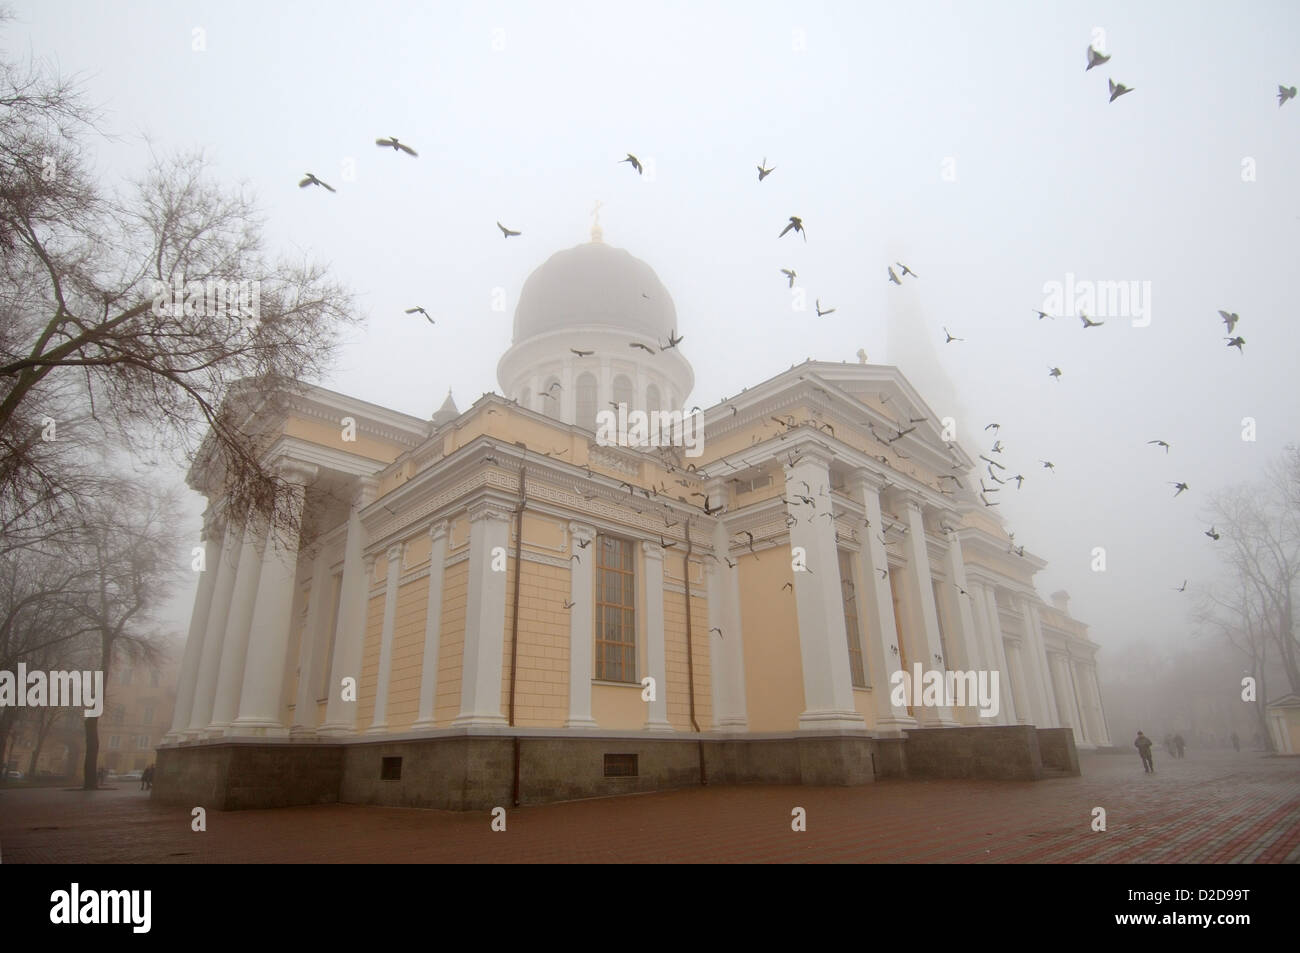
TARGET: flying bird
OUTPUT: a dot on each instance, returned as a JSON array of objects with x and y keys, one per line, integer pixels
[
  {"x": 1044, "y": 314},
  {"x": 1019, "y": 480},
  {"x": 1088, "y": 322},
  {"x": 1054, "y": 372},
  {"x": 1160, "y": 443},
  {"x": 950, "y": 337},
  {"x": 789, "y": 273},
  {"x": 636, "y": 163},
  {"x": 568, "y": 604},
  {"x": 1211, "y": 533},
  {"x": 818, "y": 305},
  {"x": 1095, "y": 58},
  {"x": 312, "y": 180},
  {"x": 763, "y": 173},
  {"x": 418, "y": 310},
  {"x": 997, "y": 447},
  {"x": 1236, "y": 342},
  {"x": 673, "y": 341},
  {"x": 574, "y": 350},
  {"x": 797, "y": 224},
  {"x": 645, "y": 347},
  {"x": 1048, "y": 465},
  {"x": 1284, "y": 93},
  {"x": 994, "y": 427},
  {"x": 906, "y": 271},
  {"x": 1180, "y": 487},
  {"x": 1182, "y": 588},
  {"x": 1118, "y": 89},
  {"x": 391, "y": 142},
  {"x": 893, "y": 277},
  {"x": 1230, "y": 319}
]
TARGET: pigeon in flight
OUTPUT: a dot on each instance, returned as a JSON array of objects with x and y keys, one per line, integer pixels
[
  {"x": 574, "y": 350},
  {"x": 1118, "y": 89},
  {"x": 994, "y": 427},
  {"x": 1048, "y": 465},
  {"x": 1236, "y": 342},
  {"x": 1054, "y": 372},
  {"x": 418, "y": 310},
  {"x": 797, "y": 224},
  {"x": 1182, "y": 588},
  {"x": 818, "y": 305},
  {"x": 1211, "y": 533},
  {"x": 950, "y": 338},
  {"x": 906, "y": 271},
  {"x": 391, "y": 142},
  {"x": 312, "y": 180},
  {"x": 1095, "y": 58},
  {"x": 1230, "y": 319},
  {"x": 1044, "y": 314},
  {"x": 1160, "y": 443},
  {"x": 763, "y": 173},
  {"x": 1180, "y": 487},
  {"x": 1088, "y": 322},
  {"x": 673, "y": 341},
  {"x": 636, "y": 163},
  {"x": 789, "y": 273},
  {"x": 645, "y": 347},
  {"x": 893, "y": 277},
  {"x": 506, "y": 232},
  {"x": 1284, "y": 93}
]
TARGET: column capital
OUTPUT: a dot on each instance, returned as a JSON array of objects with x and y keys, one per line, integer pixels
[
  {"x": 581, "y": 532},
  {"x": 487, "y": 510},
  {"x": 368, "y": 561},
  {"x": 870, "y": 479},
  {"x": 365, "y": 491},
  {"x": 812, "y": 455},
  {"x": 652, "y": 550},
  {"x": 438, "y": 530},
  {"x": 394, "y": 554},
  {"x": 295, "y": 471}
]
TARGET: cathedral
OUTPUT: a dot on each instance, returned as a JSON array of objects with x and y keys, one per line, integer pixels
[{"x": 578, "y": 589}]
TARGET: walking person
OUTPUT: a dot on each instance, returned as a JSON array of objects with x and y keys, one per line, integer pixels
[
  {"x": 1236, "y": 742},
  {"x": 1179, "y": 744},
  {"x": 1143, "y": 744}
]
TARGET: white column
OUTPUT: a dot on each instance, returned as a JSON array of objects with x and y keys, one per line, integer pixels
[
  {"x": 485, "y": 618},
  {"x": 189, "y": 674},
  {"x": 964, "y": 619},
  {"x": 262, "y": 688},
  {"x": 432, "y": 628},
  {"x": 923, "y": 589},
  {"x": 878, "y": 619},
  {"x": 350, "y": 628},
  {"x": 568, "y": 394},
  {"x": 205, "y": 684},
  {"x": 379, "y": 724},
  {"x": 581, "y": 614},
  {"x": 1020, "y": 688},
  {"x": 318, "y": 607},
  {"x": 994, "y": 649},
  {"x": 656, "y": 664},
  {"x": 1093, "y": 693},
  {"x": 1035, "y": 659},
  {"x": 823, "y": 641},
  {"x": 230, "y": 677},
  {"x": 604, "y": 386},
  {"x": 1083, "y": 735},
  {"x": 726, "y": 654}
]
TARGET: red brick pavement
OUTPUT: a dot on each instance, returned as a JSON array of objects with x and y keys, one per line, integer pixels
[{"x": 1207, "y": 808}]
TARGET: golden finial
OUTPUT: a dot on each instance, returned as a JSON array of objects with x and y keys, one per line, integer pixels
[{"x": 597, "y": 233}]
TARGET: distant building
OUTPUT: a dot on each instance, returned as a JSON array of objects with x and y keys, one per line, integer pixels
[
  {"x": 1284, "y": 724},
  {"x": 478, "y": 601}
]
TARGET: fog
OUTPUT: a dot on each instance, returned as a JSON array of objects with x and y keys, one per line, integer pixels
[{"x": 965, "y": 140}]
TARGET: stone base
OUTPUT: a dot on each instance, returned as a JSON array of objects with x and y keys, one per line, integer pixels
[{"x": 461, "y": 771}]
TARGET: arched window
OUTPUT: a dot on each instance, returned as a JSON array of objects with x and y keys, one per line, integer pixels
[
  {"x": 623, "y": 390},
  {"x": 652, "y": 401},
  {"x": 585, "y": 411},
  {"x": 550, "y": 398}
]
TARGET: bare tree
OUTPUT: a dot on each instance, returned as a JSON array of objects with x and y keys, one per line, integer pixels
[{"x": 148, "y": 315}]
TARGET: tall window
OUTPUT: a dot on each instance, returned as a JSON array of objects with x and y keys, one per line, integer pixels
[
  {"x": 939, "y": 610},
  {"x": 115, "y": 741},
  {"x": 147, "y": 717},
  {"x": 615, "y": 611},
  {"x": 623, "y": 390},
  {"x": 857, "y": 668},
  {"x": 585, "y": 410},
  {"x": 550, "y": 398}
]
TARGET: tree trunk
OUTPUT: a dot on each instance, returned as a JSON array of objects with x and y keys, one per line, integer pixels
[
  {"x": 90, "y": 764},
  {"x": 43, "y": 725}
]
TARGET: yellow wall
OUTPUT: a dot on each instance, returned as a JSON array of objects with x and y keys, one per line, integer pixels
[
  {"x": 618, "y": 707},
  {"x": 451, "y": 648},
  {"x": 542, "y": 663},
  {"x": 369, "y": 680},
  {"x": 773, "y": 665},
  {"x": 408, "y": 653}
]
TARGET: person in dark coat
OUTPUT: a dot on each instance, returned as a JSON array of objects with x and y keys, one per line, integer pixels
[
  {"x": 1179, "y": 744},
  {"x": 1143, "y": 744}
]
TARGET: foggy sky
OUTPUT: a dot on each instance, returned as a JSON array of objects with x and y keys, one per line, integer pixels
[{"x": 1050, "y": 179}]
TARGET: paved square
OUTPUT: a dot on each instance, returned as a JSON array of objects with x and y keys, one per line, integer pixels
[{"x": 1207, "y": 808}]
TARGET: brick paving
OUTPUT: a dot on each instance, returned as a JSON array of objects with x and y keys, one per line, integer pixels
[{"x": 1208, "y": 808}]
